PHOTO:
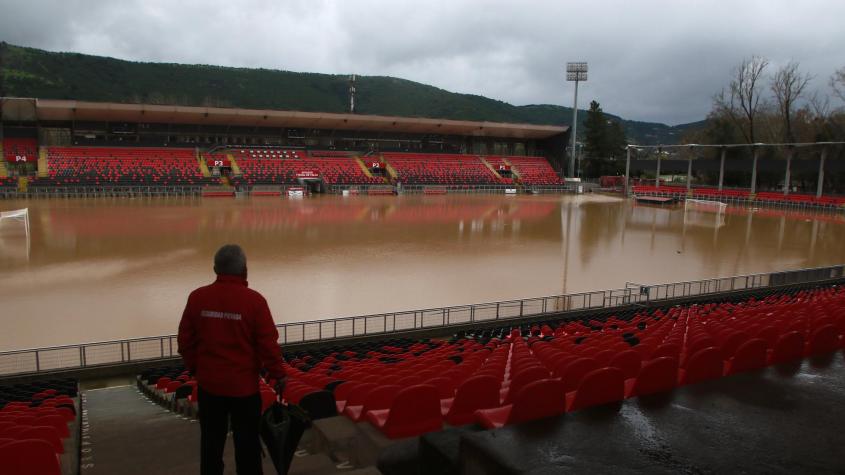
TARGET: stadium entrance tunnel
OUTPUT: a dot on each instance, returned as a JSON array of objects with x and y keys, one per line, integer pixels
[{"x": 314, "y": 185}]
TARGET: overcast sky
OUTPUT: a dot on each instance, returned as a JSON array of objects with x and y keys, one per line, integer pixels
[{"x": 649, "y": 60}]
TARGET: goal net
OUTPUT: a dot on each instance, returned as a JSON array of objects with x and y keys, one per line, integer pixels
[
  {"x": 9, "y": 219},
  {"x": 704, "y": 213},
  {"x": 14, "y": 233}
]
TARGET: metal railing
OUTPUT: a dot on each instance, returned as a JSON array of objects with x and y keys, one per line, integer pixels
[
  {"x": 136, "y": 350},
  {"x": 110, "y": 191},
  {"x": 747, "y": 201}
]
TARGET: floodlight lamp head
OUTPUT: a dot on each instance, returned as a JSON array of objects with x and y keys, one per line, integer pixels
[
  {"x": 579, "y": 67},
  {"x": 576, "y": 71}
]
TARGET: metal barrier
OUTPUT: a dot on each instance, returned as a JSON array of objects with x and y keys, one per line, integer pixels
[
  {"x": 110, "y": 191},
  {"x": 161, "y": 347}
]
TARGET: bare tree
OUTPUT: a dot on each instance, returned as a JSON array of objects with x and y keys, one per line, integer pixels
[
  {"x": 787, "y": 85},
  {"x": 837, "y": 83},
  {"x": 742, "y": 101}
]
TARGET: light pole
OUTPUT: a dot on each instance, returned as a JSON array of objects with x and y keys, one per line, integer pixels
[{"x": 575, "y": 72}]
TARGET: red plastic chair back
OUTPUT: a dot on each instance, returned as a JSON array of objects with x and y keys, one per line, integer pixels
[
  {"x": 29, "y": 457},
  {"x": 543, "y": 398},
  {"x": 789, "y": 347},
  {"x": 657, "y": 375},
  {"x": 575, "y": 372},
  {"x": 823, "y": 340},
  {"x": 705, "y": 364},
  {"x": 381, "y": 397},
  {"x": 628, "y": 361},
  {"x": 414, "y": 411},
  {"x": 478, "y": 392},
  {"x": 45, "y": 433},
  {"x": 601, "y": 386},
  {"x": 749, "y": 356},
  {"x": 55, "y": 421},
  {"x": 524, "y": 377}
]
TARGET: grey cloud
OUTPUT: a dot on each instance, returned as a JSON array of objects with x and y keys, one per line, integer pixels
[{"x": 649, "y": 60}]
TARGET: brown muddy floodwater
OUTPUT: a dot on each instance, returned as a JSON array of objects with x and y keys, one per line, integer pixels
[{"x": 104, "y": 269}]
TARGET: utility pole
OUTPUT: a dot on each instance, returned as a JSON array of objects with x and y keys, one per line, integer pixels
[{"x": 576, "y": 72}]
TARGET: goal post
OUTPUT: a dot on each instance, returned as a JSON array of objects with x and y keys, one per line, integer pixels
[
  {"x": 706, "y": 213},
  {"x": 19, "y": 215},
  {"x": 705, "y": 205},
  {"x": 9, "y": 242}
]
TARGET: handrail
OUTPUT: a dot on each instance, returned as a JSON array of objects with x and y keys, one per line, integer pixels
[{"x": 144, "y": 349}]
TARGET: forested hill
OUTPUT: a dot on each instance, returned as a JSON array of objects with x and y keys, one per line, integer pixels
[{"x": 29, "y": 72}]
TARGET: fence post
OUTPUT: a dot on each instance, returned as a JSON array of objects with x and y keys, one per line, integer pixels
[
  {"x": 161, "y": 346},
  {"x": 497, "y": 310},
  {"x": 122, "y": 357},
  {"x": 521, "y": 302},
  {"x": 37, "y": 362},
  {"x": 128, "y": 351}
]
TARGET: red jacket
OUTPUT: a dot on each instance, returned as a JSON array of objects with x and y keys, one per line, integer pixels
[{"x": 227, "y": 335}]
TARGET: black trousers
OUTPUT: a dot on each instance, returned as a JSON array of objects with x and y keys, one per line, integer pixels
[{"x": 215, "y": 413}]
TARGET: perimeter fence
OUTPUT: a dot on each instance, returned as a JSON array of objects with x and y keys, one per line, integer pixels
[{"x": 86, "y": 355}]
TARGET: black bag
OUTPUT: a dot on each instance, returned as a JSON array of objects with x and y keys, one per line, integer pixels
[{"x": 281, "y": 429}]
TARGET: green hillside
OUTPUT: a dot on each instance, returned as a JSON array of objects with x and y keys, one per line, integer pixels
[{"x": 30, "y": 72}]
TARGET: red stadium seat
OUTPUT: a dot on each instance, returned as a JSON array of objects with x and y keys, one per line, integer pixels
[
  {"x": 479, "y": 392},
  {"x": 543, "y": 398},
  {"x": 600, "y": 386},
  {"x": 28, "y": 457},
  {"x": 657, "y": 375},
  {"x": 705, "y": 364},
  {"x": 414, "y": 411},
  {"x": 749, "y": 356},
  {"x": 823, "y": 340}
]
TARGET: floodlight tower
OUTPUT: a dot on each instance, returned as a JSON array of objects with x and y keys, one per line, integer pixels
[
  {"x": 575, "y": 72},
  {"x": 352, "y": 94}
]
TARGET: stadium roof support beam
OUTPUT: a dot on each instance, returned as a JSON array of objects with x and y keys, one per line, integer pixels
[
  {"x": 755, "y": 147},
  {"x": 754, "y": 158},
  {"x": 820, "y": 184},
  {"x": 787, "y": 178}
]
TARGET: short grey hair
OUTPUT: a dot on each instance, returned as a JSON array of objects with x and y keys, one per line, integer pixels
[{"x": 230, "y": 260}]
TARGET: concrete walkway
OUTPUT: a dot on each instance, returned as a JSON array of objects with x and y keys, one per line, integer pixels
[{"x": 129, "y": 434}]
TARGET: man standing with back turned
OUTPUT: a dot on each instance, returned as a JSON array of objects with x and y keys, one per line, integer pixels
[{"x": 225, "y": 337}]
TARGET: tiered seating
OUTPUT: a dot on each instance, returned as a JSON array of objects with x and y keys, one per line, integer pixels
[
  {"x": 333, "y": 170},
  {"x": 8, "y": 182},
  {"x": 714, "y": 193},
  {"x": 495, "y": 162},
  {"x": 338, "y": 170},
  {"x": 266, "y": 171},
  {"x": 14, "y": 147},
  {"x": 508, "y": 376},
  {"x": 534, "y": 171},
  {"x": 440, "y": 169},
  {"x": 107, "y": 166},
  {"x": 268, "y": 153},
  {"x": 35, "y": 426}
]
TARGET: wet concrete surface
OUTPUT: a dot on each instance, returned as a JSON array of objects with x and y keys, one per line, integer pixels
[{"x": 773, "y": 421}]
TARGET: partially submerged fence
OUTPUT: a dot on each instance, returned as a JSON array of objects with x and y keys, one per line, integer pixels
[{"x": 86, "y": 355}]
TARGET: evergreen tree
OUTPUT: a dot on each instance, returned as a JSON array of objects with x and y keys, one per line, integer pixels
[{"x": 604, "y": 143}]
